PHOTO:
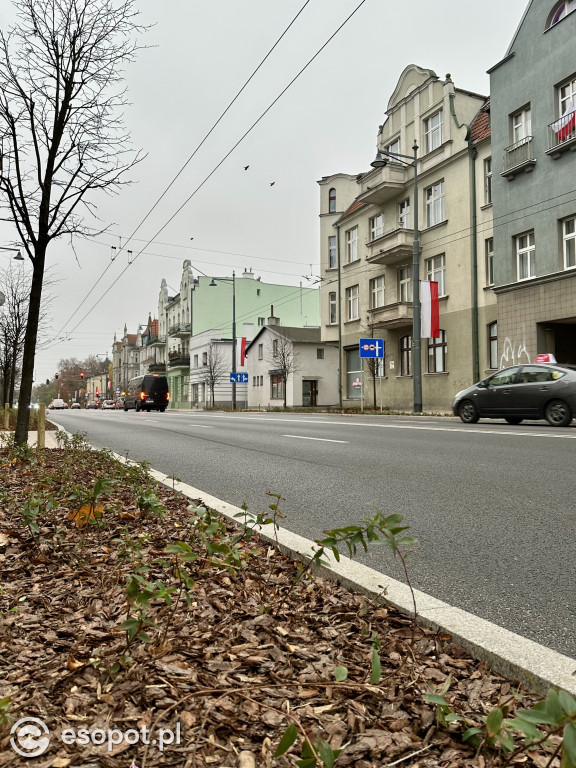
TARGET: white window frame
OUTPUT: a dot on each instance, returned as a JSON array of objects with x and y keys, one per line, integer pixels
[
  {"x": 435, "y": 204},
  {"x": 433, "y": 128},
  {"x": 525, "y": 256},
  {"x": 260, "y": 351},
  {"x": 352, "y": 245},
  {"x": 489, "y": 250},
  {"x": 332, "y": 308},
  {"x": 377, "y": 292},
  {"x": 332, "y": 252},
  {"x": 566, "y": 96},
  {"x": 522, "y": 125},
  {"x": 569, "y": 243},
  {"x": 332, "y": 200},
  {"x": 560, "y": 11},
  {"x": 394, "y": 148},
  {"x": 488, "y": 181},
  {"x": 436, "y": 271},
  {"x": 404, "y": 214},
  {"x": 376, "y": 226},
  {"x": 352, "y": 303},
  {"x": 405, "y": 284}
]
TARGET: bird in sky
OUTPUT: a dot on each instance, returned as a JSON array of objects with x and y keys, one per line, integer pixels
[
  {"x": 272, "y": 183},
  {"x": 246, "y": 167},
  {"x": 191, "y": 238}
]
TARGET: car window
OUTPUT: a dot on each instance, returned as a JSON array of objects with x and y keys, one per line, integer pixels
[
  {"x": 501, "y": 379},
  {"x": 538, "y": 374}
]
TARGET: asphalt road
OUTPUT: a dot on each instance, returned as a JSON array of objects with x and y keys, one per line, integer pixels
[{"x": 492, "y": 505}]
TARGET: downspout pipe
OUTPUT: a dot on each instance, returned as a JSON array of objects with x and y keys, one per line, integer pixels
[
  {"x": 340, "y": 399},
  {"x": 474, "y": 254}
]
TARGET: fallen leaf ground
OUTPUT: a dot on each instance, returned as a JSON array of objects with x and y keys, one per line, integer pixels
[{"x": 252, "y": 651}]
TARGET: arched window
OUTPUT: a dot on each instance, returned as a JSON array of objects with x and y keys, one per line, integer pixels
[
  {"x": 559, "y": 11},
  {"x": 332, "y": 201},
  {"x": 437, "y": 354}
]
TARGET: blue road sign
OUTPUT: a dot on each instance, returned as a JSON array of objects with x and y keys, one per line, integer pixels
[
  {"x": 238, "y": 378},
  {"x": 371, "y": 348}
]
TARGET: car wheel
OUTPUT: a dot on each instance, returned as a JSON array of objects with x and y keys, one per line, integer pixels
[
  {"x": 513, "y": 419},
  {"x": 147, "y": 410},
  {"x": 467, "y": 412},
  {"x": 136, "y": 406},
  {"x": 162, "y": 408},
  {"x": 558, "y": 414}
]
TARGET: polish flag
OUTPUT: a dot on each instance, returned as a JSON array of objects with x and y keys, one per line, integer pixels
[
  {"x": 565, "y": 126},
  {"x": 241, "y": 352},
  {"x": 430, "y": 311}
]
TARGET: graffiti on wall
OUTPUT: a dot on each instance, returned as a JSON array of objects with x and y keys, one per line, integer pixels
[{"x": 514, "y": 352}]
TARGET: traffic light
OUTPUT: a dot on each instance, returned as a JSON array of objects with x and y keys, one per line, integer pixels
[
  {"x": 56, "y": 375},
  {"x": 47, "y": 381},
  {"x": 82, "y": 375}
]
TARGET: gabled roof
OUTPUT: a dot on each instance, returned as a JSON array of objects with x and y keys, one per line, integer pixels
[
  {"x": 480, "y": 127},
  {"x": 306, "y": 335},
  {"x": 355, "y": 206}
]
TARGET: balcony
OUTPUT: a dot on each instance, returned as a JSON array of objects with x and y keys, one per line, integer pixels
[
  {"x": 383, "y": 184},
  {"x": 155, "y": 341},
  {"x": 395, "y": 315},
  {"x": 179, "y": 361},
  {"x": 391, "y": 247},
  {"x": 518, "y": 158},
  {"x": 562, "y": 135},
  {"x": 157, "y": 368},
  {"x": 180, "y": 330}
]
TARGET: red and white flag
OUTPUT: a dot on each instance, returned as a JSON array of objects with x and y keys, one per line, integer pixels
[
  {"x": 564, "y": 127},
  {"x": 241, "y": 352},
  {"x": 430, "y": 310}
]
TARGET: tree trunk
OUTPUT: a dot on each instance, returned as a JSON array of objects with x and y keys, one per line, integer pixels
[{"x": 24, "y": 400}]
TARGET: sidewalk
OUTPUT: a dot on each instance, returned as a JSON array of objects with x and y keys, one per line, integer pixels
[{"x": 49, "y": 438}]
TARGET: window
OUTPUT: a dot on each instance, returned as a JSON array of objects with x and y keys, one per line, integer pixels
[
  {"x": 504, "y": 378},
  {"x": 276, "y": 387},
  {"x": 406, "y": 356},
  {"x": 435, "y": 204},
  {"x": 260, "y": 351},
  {"x": 352, "y": 245},
  {"x": 569, "y": 237},
  {"x": 404, "y": 214},
  {"x": 559, "y": 11},
  {"x": 204, "y": 358},
  {"x": 352, "y": 303},
  {"x": 433, "y": 130},
  {"x": 379, "y": 366},
  {"x": 319, "y": 354},
  {"x": 332, "y": 308},
  {"x": 567, "y": 97},
  {"x": 195, "y": 361},
  {"x": 254, "y": 379},
  {"x": 487, "y": 181},
  {"x": 405, "y": 284},
  {"x": 436, "y": 270},
  {"x": 493, "y": 345},
  {"x": 257, "y": 291},
  {"x": 394, "y": 147},
  {"x": 376, "y": 226},
  {"x": 489, "y": 251},
  {"x": 521, "y": 125},
  {"x": 525, "y": 255},
  {"x": 261, "y": 321},
  {"x": 275, "y": 347},
  {"x": 332, "y": 201},
  {"x": 377, "y": 292},
  {"x": 354, "y": 374},
  {"x": 437, "y": 354},
  {"x": 332, "y": 253}
]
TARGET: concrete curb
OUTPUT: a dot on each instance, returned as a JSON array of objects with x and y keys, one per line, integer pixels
[{"x": 513, "y": 656}]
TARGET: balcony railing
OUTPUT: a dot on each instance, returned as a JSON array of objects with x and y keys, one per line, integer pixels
[
  {"x": 562, "y": 135},
  {"x": 157, "y": 368},
  {"x": 155, "y": 340},
  {"x": 392, "y": 315},
  {"x": 180, "y": 329},
  {"x": 182, "y": 361},
  {"x": 383, "y": 184},
  {"x": 518, "y": 157},
  {"x": 391, "y": 247}
]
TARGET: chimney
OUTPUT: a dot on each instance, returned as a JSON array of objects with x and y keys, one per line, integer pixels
[
  {"x": 273, "y": 320},
  {"x": 248, "y": 273}
]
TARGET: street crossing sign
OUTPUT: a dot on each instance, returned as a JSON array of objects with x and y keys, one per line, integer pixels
[
  {"x": 371, "y": 348},
  {"x": 238, "y": 378}
]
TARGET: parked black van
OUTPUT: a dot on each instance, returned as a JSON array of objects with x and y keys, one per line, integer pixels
[{"x": 146, "y": 393}]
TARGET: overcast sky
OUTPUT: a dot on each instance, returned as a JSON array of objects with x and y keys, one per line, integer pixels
[{"x": 200, "y": 55}]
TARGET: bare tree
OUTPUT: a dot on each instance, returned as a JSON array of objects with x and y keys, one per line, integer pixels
[
  {"x": 15, "y": 285},
  {"x": 61, "y": 130},
  {"x": 215, "y": 370},
  {"x": 284, "y": 359}
]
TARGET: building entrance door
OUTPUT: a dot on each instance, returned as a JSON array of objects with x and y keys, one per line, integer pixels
[{"x": 309, "y": 393}]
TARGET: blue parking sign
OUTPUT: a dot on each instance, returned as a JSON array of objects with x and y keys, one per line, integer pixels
[{"x": 371, "y": 348}]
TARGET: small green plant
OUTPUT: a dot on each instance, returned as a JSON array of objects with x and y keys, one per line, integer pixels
[
  {"x": 139, "y": 593},
  {"x": 444, "y": 713},
  {"x": 149, "y": 503},
  {"x": 5, "y": 716},
  {"x": 311, "y": 753}
]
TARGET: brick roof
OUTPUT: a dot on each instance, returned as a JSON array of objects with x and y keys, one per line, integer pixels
[
  {"x": 480, "y": 128},
  {"x": 356, "y": 205}
]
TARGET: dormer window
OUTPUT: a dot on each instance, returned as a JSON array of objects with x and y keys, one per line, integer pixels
[
  {"x": 332, "y": 201},
  {"x": 559, "y": 11}
]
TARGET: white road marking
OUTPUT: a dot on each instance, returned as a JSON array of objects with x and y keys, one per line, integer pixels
[
  {"x": 321, "y": 439},
  {"x": 201, "y": 426}
]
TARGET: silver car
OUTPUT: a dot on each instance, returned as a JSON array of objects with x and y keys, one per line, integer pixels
[{"x": 521, "y": 392}]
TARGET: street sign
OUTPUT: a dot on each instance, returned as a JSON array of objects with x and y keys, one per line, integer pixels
[
  {"x": 238, "y": 378},
  {"x": 371, "y": 348}
]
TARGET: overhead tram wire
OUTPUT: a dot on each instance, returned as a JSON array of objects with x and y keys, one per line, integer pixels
[
  {"x": 212, "y": 129},
  {"x": 209, "y": 176}
]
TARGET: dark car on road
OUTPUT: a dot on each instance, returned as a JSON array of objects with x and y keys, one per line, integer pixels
[
  {"x": 521, "y": 392},
  {"x": 146, "y": 393}
]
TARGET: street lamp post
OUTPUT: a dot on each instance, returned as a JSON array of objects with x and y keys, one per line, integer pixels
[
  {"x": 380, "y": 162},
  {"x": 18, "y": 256},
  {"x": 213, "y": 284}
]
